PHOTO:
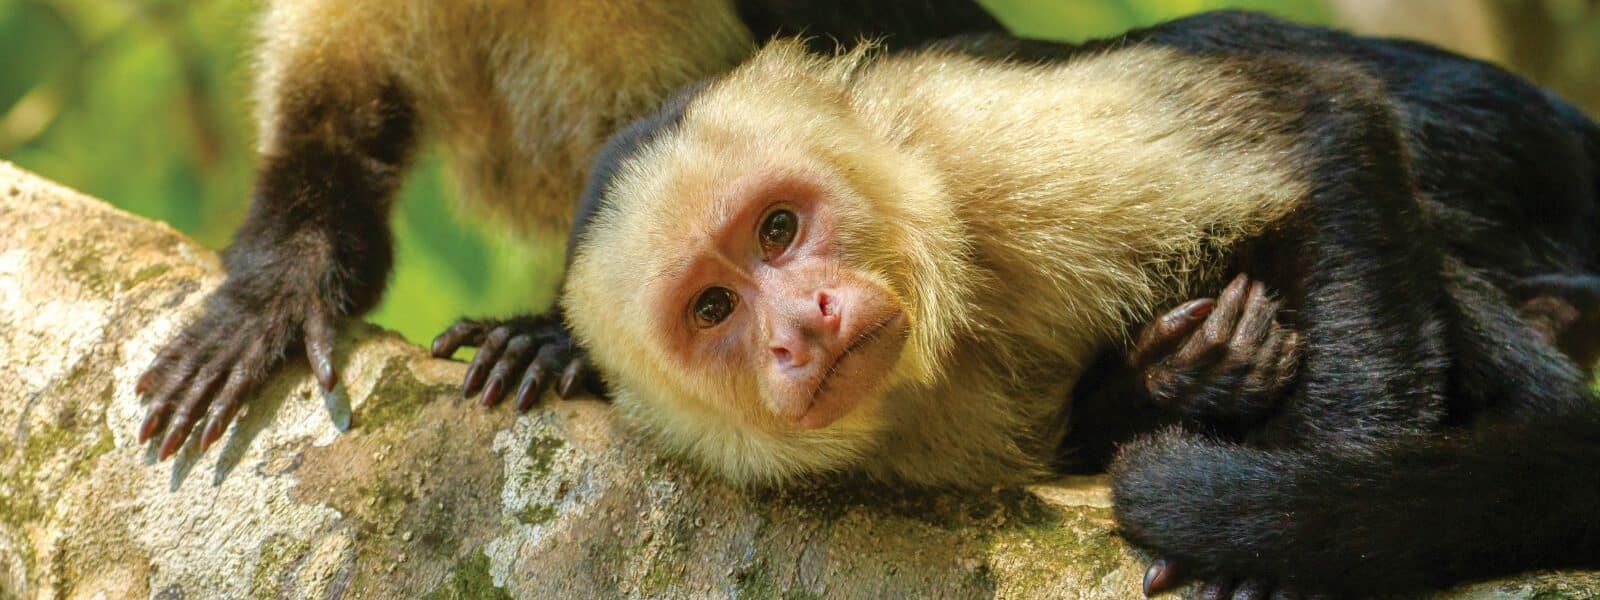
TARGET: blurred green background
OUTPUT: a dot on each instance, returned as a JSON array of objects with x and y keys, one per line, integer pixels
[{"x": 145, "y": 103}]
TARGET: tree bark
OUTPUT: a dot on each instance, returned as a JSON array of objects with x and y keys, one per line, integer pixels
[{"x": 430, "y": 495}]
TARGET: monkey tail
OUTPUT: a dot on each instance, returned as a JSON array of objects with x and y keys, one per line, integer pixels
[{"x": 1420, "y": 513}]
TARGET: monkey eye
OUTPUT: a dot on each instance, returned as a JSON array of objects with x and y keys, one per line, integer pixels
[
  {"x": 713, "y": 306},
  {"x": 777, "y": 232}
]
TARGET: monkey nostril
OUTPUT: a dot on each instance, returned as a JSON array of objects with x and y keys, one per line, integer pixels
[
  {"x": 828, "y": 304},
  {"x": 782, "y": 355}
]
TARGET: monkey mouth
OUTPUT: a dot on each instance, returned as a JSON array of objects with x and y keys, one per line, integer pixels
[{"x": 824, "y": 407}]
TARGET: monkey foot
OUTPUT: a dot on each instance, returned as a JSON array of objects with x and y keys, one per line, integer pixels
[
  {"x": 1225, "y": 359},
  {"x": 532, "y": 351},
  {"x": 1166, "y": 575}
]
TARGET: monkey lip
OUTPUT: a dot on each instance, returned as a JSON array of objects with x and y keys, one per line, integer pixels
[{"x": 830, "y": 401}]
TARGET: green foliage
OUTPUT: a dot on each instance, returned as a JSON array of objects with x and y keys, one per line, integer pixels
[
  {"x": 145, "y": 103},
  {"x": 1077, "y": 20}
]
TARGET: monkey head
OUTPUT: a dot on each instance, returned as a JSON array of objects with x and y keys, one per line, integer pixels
[{"x": 758, "y": 274}]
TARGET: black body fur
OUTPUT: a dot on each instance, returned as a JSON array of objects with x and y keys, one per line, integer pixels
[
  {"x": 830, "y": 23},
  {"x": 1433, "y": 436}
]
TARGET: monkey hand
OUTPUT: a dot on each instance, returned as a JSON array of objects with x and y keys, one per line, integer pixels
[
  {"x": 535, "y": 350},
  {"x": 1219, "y": 362},
  {"x": 218, "y": 360}
]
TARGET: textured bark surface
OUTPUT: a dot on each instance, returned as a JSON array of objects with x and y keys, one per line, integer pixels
[{"x": 428, "y": 495}]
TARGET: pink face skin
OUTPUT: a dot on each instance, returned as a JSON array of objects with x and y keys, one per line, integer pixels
[{"x": 770, "y": 292}]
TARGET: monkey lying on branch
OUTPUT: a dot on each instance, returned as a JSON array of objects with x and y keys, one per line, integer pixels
[
  {"x": 1003, "y": 211},
  {"x": 519, "y": 93},
  {"x": 897, "y": 264}
]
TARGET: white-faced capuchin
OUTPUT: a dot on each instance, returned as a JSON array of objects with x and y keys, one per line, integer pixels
[
  {"x": 899, "y": 264},
  {"x": 520, "y": 93}
]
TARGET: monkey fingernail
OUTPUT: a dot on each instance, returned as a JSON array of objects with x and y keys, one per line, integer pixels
[
  {"x": 212, "y": 433},
  {"x": 569, "y": 380},
  {"x": 151, "y": 424},
  {"x": 174, "y": 440},
  {"x": 145, "y": 381},
  {"x": 1161, "y": 577},
  {"x": 473, "y": 381},
  {"x": 492, "y": 392},
  {"x": 325, "y": 372},
  {"x": 528, "y": 392}
]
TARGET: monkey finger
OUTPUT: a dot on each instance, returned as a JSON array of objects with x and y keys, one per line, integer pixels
[
  {"x": 151, "y": 375},
  {"x": 488, "y": 354},
  {"x": 1158, "y": 339},
  {"x": 1162, "y": 576},
  {"x": 157, "y": 413},
  {"x": 1274, "y": 365},
  {"x": 223, "y": 408},
  {"x": 177, "y": 379},
  {"x": 194, "y": 405},
  {"x": 1208, "y": 344},
  {"x": 227, "y": 402},
  {"x": 1289, "y": 354},
  {"x": 146, "y": 380},
  {"x": 318, "y": 330},
  {"x": 547, "y": 363},
  {"x": 165, "y": 399},
  {"x": 572, "y": 377},
  {"x": 159, "y": 368},
  {"x": 1255, "y": 323},
  {"x": 513, "y": 360},
  {"x": 465, "y": 332}
]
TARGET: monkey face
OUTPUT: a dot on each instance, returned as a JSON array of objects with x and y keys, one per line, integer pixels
[
  {"x": 755, "y": 284},
  {"x": 770, "y": 290},
  {"x": 744, "y": 310}
]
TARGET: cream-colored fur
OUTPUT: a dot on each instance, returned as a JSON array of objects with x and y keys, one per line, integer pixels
[
  {"x": 1023, "y": 214},
  {"x": 521, "y": 92}
]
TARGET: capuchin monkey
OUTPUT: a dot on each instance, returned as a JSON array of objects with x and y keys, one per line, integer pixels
[
  {"x": 520, "y": 93},
  {"x": 899, "y": 264}
]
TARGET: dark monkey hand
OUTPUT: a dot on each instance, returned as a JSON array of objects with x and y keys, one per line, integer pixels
[
  {"x": 531, "y": 352},
  {"x": 1224, "y": 362},
  {"x": 218, "y": 360}
]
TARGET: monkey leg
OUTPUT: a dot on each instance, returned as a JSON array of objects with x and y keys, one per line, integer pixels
[
  {"x": 1224, "y": 363},
  {"x": 536, "y": 351}
]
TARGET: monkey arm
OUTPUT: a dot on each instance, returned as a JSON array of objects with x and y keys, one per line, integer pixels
[{"x": 315, "y": 248}]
